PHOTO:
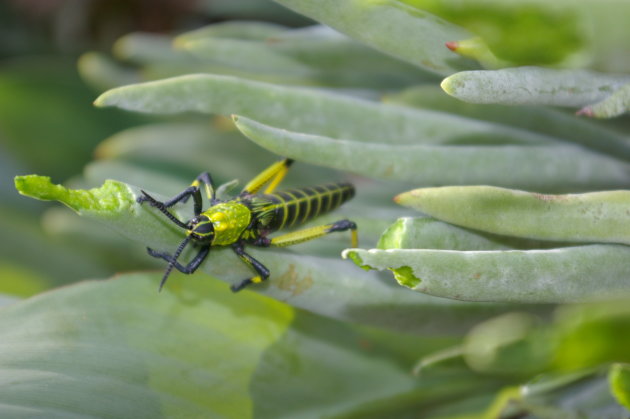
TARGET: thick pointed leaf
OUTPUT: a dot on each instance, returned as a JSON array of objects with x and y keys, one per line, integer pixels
[
  {"x": 429, "y": 233},
  {"x": 391, "y": 27},
  {"x": 532, "y": 167},
  {"x": 589, "y": 217},
  {"x": 302, "y": 281},
  {"x": 310, "y": 111},
  {"x": 548, "y": 121},
  {"x": 616, "y": 104},
  {"x": 533, "y": 86},
  {"x": 564, "y": 275}
]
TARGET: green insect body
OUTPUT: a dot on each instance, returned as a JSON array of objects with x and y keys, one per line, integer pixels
[{"x": 250, "y": 217}]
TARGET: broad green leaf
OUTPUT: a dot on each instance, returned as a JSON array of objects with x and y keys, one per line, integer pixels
[
  {"x": 310, "y": 111},
  {"x": 619, "y": 378},
  {"x": 391, "y": 27},
  {"x": 533, "y": 86},
  {"x": 546, "y": 121},
  {"x": 616, "y": 104},
  {"x": 196, "y": 352},
  {"x": 429, "y": 233},
  {"x": 523, "y": 32},
  {"x": 550, "y": 168},
  {"x": 588, "y": 217},
  {"x": 565, "y": 275},
  {"x": 302, "y": 281}
]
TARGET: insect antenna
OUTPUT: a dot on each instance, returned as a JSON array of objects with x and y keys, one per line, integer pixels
[
  {"x": 173, "y": 261},
  {"x": 160, "y": 205}
]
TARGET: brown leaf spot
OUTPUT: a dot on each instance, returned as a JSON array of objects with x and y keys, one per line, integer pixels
[{"x": 294, "y": 283}]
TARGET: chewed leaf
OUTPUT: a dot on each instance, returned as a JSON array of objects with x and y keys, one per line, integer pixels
[
  {"x": 554, "y": 168},
  {"x": 113, "y": 197},
  {"x": 571, "y": 274},
  {"x": 589, "y": 217},
  {"x": 303, "y": 281},
  {"x": 616, "y": 104},
  {"x": 392, "y": 27},
  {"x": 533, "y": 86}
]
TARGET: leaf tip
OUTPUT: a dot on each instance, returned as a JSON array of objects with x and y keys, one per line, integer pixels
[{"x": 452, "y": 45}]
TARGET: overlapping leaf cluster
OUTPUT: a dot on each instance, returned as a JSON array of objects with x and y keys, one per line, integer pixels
[{"x": 364, "y": 105}]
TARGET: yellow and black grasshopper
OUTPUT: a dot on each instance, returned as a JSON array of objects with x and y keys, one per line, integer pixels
[{"x": 250, "y": 217}]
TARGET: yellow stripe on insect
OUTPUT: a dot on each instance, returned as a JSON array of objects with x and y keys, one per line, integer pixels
[{"x": 257, "y": 279}]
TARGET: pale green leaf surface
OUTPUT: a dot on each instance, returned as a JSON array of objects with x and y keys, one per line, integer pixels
[
  {"x": 303, "y": 281},
  {"x": 589, "y": 217},
  {"x": 102, "y": 73},
  {"x": 391, "y": 27},
  {"x": 246, "y": 55},
  {"x": 119, "y": 349},
  {"x": 310, "y": 111},
  {"x": 331, "y": 62},
  {"x": 565, "y": 275},
  {"x": 533, "y": 86},
  {"x": 618, "y": 103},
  {"x": 546, "y": 121},
  {"x": 234, "y": 29},
  {"x": 548, "y": 168},
  {"x": 429, "y": 233}
]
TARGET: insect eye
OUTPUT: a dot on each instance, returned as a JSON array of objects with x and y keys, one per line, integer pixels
[{"x": 203, "y": 227}]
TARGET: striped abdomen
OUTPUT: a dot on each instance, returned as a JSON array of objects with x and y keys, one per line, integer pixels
[{"x": 295, "y": 206}]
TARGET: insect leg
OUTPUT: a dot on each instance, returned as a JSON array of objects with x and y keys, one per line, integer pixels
[
  {"x": 261, "y": 270},
  {"x": 311, "y": 233},
  {"x": 190, "y": 268},
  {"x": 272, "y": 175},
  {"x": 208, "y": 184}
]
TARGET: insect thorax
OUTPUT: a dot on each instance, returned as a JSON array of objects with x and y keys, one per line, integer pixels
[{"x": 230, "y": 219}]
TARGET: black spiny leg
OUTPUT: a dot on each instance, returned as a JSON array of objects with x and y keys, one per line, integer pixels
[
  {"x": 261, "y": 270},
  {"x": 188, "y": 269}
]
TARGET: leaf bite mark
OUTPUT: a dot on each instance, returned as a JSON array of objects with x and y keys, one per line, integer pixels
[
  {"x": 112, "y": 197},
  {"x": 405, "y": 276},
  {"x": 293, "y": 282}
]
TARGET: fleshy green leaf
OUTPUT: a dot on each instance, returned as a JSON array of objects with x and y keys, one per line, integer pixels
[
  {"x": 392, "y": 27},
  {"x": 429, "y": 233},
  {"x": 234, "y": 29},
  {"x": 616, "y": 104},
  {"x": 198, "y": 352},
  {"x": 310, "y": 111},
  {"x": 533, "y": 86},
  {"x": 571, "y": 274},
  {"x": 303, "y": 281},
  {"x": 533, "y": 167},
  {"x": 589, "y": 217},
  {"x": 543, "y": 120}
]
